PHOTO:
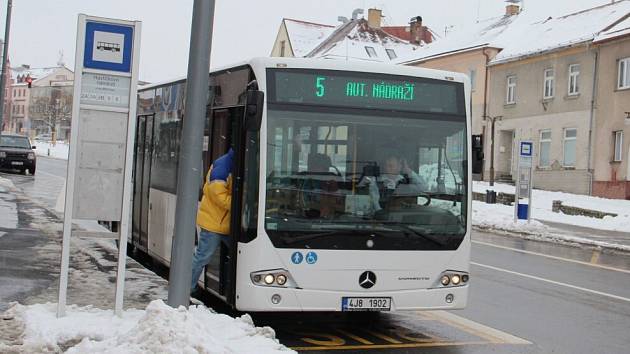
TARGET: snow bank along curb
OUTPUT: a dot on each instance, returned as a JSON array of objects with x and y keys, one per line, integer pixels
[
  {"x": 542, "y": 208},
  {"x": 158, "y": 329}
]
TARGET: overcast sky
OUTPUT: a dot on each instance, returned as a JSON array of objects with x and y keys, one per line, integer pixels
[{"x": 243, "y": 28}]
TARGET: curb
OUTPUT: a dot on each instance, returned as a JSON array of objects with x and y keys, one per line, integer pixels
[{"x": 559, "y": 239}]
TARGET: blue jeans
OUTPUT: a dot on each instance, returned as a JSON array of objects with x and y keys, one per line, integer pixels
[{"x": 208, "y": 243}]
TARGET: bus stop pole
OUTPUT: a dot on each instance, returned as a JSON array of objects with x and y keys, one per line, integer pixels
[
  {"x": 190, "y": 173},
  {"x": 5, "y": 74}
]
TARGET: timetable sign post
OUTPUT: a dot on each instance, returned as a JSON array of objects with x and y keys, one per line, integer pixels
[
  {"x": 98, "y": 184},
  {"x": 523, "y": 195}
]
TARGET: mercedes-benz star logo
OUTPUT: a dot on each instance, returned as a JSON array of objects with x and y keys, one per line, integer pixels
[{"x": 367, "y": 279}]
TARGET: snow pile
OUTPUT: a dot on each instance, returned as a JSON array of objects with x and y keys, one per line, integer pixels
[
  {"x": 59, "y": 151},
  {"x": 542, "y": 206},
  {"x": 158, "y": 329},
  {"x": 501, "y": 217}
]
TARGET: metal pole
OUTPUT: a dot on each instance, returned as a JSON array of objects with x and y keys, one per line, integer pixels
[
  {"x": 188, "y": 177},
  {"x": 492, "y": 152},
  {"x": 5, "y": 51}
]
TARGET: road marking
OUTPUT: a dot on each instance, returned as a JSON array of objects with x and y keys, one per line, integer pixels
[
  {"x": 555, "y": 257},
  {"x": 383, "y": 337},
  {"x": 616, "y": 297},
  {"x": 491, "y": 334},
  {"x": 357, "y": 338},
  {"x": 595, "y": 257},
  {"x": 391, "y": 346}
]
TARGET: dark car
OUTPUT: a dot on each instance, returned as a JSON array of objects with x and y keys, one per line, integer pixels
[{"x": 16, "y": 153}]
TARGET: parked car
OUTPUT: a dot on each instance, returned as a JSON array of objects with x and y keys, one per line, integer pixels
[
  {"x": 16, "y": 153},
  {"x": 43, "y": 137}
]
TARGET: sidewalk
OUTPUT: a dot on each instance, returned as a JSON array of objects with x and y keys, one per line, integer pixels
[
  {"x": 30, "y": 250},
  {"x": 611, "y": 233}
]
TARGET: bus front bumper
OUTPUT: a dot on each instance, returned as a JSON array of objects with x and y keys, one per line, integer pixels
[{"x": 259, "y": 298}]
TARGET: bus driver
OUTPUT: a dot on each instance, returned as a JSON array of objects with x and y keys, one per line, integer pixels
[{"x": 397, "y": 179}]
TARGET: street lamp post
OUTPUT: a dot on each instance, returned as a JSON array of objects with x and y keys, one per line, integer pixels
[{"x": 492, "y": 121}]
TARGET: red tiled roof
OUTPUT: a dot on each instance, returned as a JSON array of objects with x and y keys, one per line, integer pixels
[{"x": 401, "y": 32}]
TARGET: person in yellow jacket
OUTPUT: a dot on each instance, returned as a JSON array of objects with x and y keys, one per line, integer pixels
[{"x": 213, "y": 216}]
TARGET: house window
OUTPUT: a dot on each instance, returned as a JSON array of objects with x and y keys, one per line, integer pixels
[
  {"x": 282, "y": 46},
  {"x": 371, "y": 52},
  {"x": 511, "y": 90},
  {"x": 618, "y": 136},
  {"x": 570, "y": 136},
  {"x": 545, "y": 148},
  {"x": 391, "y": 54},
  {"x": 473, "y": 77},
  {"x": 14, "y": 91},
  {"x": 549, "y": 83},
  {"x": 574, "y": 74},
  {"x": 623, "y": 81}
]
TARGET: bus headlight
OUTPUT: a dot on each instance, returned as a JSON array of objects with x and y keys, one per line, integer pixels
[
  {"x": 274, "y": 278},
  {"x": 452, "y": 278}
]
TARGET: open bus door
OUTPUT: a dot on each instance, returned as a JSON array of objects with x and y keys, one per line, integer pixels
[{"x": 245, "y": 185}]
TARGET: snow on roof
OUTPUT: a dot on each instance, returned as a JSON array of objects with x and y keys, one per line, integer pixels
[
  {"x": 479, "y": 35},
  {"x": 353, "y": 39},
  {"x": 518, "y": 35},
  {"x": 305, "y": 36},
  {"x": 35, "y": 73},
  {"x": 561, "y": 32},
  {"x": 620, "y": 29}
]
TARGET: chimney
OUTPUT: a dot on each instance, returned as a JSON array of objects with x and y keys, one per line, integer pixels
[
  {"x": 512, "y": 9},
  {"x": 374, "y": 18},
  {"x": 416, "y": 30}
]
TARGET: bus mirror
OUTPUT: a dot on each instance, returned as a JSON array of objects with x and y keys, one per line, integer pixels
[{"x": 254, "y": 110}]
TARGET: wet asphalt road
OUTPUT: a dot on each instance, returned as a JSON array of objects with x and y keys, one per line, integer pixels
[{"x": 526, "y": 297}]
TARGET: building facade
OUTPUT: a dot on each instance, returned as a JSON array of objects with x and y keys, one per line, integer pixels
[
  {"x": 546, "y": 99},
  {"x": 45, "y": 106},
  {"x": 612, "y": 119}
]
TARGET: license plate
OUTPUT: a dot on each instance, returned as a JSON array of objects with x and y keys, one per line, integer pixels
[
  {"x": 17, "y": 163},
  {"x": 366, "y": 303}
]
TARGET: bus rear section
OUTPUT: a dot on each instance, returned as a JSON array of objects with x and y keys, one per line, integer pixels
[{"x": 364, "y": 193}]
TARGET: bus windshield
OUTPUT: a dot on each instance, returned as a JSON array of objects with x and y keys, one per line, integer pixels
[{"x": 365, "y": 179}]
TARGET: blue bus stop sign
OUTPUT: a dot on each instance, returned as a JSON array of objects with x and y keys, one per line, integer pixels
[{"x": 108, "y": 46}]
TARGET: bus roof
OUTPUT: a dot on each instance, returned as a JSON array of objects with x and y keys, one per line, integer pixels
[{"x": 260, "y": 63}]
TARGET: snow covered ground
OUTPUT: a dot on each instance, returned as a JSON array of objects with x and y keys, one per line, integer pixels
[
  {"x": 542, "y": 203},
  {"x": 59, "y": 151},
  {"x": 157, "y": 329}
]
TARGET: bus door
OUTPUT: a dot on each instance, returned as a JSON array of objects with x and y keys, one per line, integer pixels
[
  {"x": 142, "y": 173},
  {"x": 221, "y": 126}
]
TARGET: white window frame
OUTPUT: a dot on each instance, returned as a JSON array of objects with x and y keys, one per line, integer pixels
[
  {"x": 618, "y": 146},
  {"x": 510, "y": 93},
  {"x": 623, "y": 74},
  {"x": 564, "y": 141},
  {"x": 574, "y": 80},
  {"x": 391, "y": 54},
  {"x": 549, "y": 81},
  {"x": 540, "y": 143},
  {"x": 371, "y": 54}
]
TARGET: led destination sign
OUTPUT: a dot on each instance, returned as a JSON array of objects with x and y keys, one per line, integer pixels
[{"x": 346, "y": 89}]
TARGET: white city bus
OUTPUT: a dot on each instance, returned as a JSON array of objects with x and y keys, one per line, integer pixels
[{"x": 352, "y": 184}]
